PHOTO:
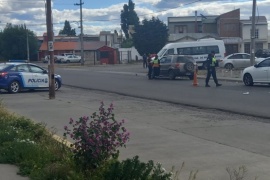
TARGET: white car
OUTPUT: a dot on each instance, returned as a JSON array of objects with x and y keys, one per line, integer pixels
[
  {"x": 237, "y": 60},
  {"x": 259, "y": 73},
  {"x": 70, "y": 58}
]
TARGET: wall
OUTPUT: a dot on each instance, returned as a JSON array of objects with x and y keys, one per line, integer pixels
[{"x": 128, "y": 54}]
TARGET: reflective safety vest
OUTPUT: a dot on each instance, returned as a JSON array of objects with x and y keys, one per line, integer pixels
[
  {"x": 155, "y": 63},
  {"x": 214, "y": 60}
]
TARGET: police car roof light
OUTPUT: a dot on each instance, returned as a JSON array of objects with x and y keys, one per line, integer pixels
[{"x": 14, "y": 60}]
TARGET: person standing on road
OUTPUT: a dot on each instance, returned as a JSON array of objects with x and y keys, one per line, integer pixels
[
  {"x": 211, "y": 62},
  {"x": 156, "y": 66},
  {"x": 144, "y": 61},
  {"x": 149, "y": 66}
]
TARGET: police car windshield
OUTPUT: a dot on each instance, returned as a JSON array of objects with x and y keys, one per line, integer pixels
[{"x": 3, "y": 66}]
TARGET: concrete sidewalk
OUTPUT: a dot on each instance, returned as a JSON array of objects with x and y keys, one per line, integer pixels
[{"x": 59, "y": 109}]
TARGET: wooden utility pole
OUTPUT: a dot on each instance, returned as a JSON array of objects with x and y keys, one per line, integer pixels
[
  {"x": 50, "y": 49},
  {"x": 252, "y": 47},
  {"x": 81, "y": 35},
  {"x": 27, "y": 46}
]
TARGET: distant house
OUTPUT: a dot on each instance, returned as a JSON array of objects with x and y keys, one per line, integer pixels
[{"x": 72, "y": 45}]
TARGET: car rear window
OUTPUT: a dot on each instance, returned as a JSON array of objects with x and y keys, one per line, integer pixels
[
  {"x": 3, "y": 66},
  {"x": 184, "y": 59}
]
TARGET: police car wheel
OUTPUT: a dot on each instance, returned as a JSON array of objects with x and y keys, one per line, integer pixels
[
  {"x": 56, "y": 85},
  {"x": 14, "y": 87}
]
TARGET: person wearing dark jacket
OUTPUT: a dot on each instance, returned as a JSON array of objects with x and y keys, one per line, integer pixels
[
  {"x": 211, "y": 69},
  {"x": 149, "y": 66}
]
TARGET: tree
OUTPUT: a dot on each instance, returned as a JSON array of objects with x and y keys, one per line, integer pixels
[
  {"x": 128, "y": 17},
  {"x": 150, "y": 36},
  {"x": 13, "y": 43},
  {"x": 67, "y": 30}
]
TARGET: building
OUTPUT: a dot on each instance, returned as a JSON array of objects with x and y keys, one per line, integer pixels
[
  {"x": 234, "y": 32},
  {"x": 261, "y": 34},
  {"x": 71, "y": 44}
]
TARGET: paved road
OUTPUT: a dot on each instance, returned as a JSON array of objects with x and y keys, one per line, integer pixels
[{"x": 126, "y": 80}]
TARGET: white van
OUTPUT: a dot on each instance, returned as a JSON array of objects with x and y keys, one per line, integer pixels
[{"x": 199, "y": 50}]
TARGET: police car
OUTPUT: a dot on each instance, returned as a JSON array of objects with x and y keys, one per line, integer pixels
[{"x": 16, "y": 76}]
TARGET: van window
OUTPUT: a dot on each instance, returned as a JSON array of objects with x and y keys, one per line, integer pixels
[
  {"x": 170, "y": 51},
  {"x": 161, "y": 52},
  {"x": 212, "y": 48},
  {"x": 197, "y": 50}
]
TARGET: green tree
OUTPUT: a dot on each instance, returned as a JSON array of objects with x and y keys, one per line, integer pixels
[
  {"x": 150, "y": 36},
  {"x": 67, "y": 30},
  {"x": 127, "y": 43},
  {"x": 128, "y": 17},
  {"x": 13, "y": 43}
]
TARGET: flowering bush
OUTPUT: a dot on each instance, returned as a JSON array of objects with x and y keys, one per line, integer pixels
[{"x": 96, "y": 138}]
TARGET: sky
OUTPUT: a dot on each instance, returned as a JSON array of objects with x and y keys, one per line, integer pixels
[{"x": 104, "y": 15}]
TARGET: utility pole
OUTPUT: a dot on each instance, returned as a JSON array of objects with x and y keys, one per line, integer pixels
[
  {"x": 50, "y": 49},
  {"x": 252, "y": 47},
  {"x": 27, "y": 46},
  {"x": 81, "y": 35}
]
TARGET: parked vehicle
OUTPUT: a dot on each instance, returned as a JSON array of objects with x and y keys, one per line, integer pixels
[
  {"x": 173, "y": 66},
  {"x": 237, "y": 60},
  {"x": 199, "y": 50},
  {"x": 259, "y": 73},
  {"x": 262, "y": 53},
  {"x": 70, "y": 59},
  {"x": 57, "y": 58},
  {"x": 15, "y": 76}
]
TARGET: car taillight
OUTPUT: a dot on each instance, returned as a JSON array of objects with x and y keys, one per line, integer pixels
[
  {"x": 177, "y": 65},
  {"x": 3, "y": 74}
]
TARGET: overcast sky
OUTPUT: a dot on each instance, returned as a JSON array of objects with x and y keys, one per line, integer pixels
[{"x": 104, "y": 15}]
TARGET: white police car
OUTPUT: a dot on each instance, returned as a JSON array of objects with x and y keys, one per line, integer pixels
[{"x": 15, "y": 76}]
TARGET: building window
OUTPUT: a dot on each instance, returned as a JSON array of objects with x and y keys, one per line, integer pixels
[
  {"x": 247, "y": 48},
  {"x": 256, "y": 34},
  {"x": 258, "y": 46},
  {"x": 180, "y": 29}
]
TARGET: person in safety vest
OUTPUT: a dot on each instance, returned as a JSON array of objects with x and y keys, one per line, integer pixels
[
  {"x": 156, "y": 66},
  {"x": 211, "y": 62}
]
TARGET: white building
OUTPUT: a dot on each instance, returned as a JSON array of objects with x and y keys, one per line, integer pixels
[{"x": 261, "y": 34}]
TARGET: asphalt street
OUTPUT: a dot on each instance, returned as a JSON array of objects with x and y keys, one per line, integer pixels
[{"x": 208, "y": 140}]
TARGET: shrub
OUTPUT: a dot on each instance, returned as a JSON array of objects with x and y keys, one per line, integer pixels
[
  {"x": 96, "y": 138},
  {"x": 135, "y": 169}
]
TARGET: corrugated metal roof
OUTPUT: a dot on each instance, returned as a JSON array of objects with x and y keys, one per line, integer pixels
[{"x": 61, "y": 46}]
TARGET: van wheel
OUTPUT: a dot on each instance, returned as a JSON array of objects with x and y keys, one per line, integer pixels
[
  {"x": 191, "y": 77},
  {"x": 171, "y": 75}
]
